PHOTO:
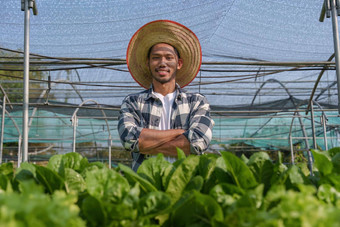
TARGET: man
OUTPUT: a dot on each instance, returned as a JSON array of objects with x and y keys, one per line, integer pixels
[{"x": 163, "y": 57}]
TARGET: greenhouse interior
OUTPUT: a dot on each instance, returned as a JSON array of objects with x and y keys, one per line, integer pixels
[{"x": 268, "y": 72}]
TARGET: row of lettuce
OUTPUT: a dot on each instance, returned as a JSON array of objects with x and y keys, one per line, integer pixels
[{"x": 207, "y": 190}]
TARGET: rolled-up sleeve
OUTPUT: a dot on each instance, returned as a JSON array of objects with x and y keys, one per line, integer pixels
[
  {"x": 129, "y": 124},
  {"x": 201, "y": 124}
]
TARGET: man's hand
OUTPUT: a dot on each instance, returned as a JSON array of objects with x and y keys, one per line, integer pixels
[{"x": 153, "y": 141}]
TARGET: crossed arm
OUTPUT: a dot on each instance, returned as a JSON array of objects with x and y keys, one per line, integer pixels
[
  {"x": 153, "y": 141},
  {"x": 136, "y": 137}
]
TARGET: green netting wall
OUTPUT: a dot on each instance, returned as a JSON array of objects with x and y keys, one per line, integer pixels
[{"x": 271, "y": 131}]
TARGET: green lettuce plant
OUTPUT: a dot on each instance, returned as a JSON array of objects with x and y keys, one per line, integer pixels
[{"x": 206, "y": 190}]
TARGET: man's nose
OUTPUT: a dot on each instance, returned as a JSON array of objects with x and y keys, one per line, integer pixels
[{"x": 163, "y": 62}]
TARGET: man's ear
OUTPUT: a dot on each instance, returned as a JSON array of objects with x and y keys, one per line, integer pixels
[{"x": 180, "y": 63}]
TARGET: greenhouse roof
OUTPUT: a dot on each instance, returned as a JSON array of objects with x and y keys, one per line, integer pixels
[
  {"x": 287, "y": 33},
  {"x": 268, "y": 30}
]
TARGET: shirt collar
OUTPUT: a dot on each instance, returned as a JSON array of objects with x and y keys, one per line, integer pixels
[{"x": 179, "y": 94}]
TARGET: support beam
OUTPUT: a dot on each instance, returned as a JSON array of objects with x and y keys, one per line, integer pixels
[
  {"x": 26, "y": 5},
  {"x": 331, "y": 8},
  {"x": 336, "y": 46},
  {"x": 26, "y": 83}
]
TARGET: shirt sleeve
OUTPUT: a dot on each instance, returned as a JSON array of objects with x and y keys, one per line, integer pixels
[
  {"x": 129, "y": 124},
  {"x": 199, "y": 133}
]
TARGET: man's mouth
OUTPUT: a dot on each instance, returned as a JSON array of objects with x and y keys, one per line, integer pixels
[{"x": 162, "y": 71}]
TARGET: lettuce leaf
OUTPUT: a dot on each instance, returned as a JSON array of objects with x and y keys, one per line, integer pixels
[
  {"x": 134, "y": 178},
  {"x": 156, "y": 170},
  {"x": 238, "y": 171},
  {"x": 107, "y": 185},
  {"x": 195, "y": 209},
  {"x": 182, "y": 176}
]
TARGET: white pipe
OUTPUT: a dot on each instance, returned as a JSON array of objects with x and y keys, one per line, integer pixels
[
  {"x": 2, "y": 126},
  {"x": 336, "y": 46},
  {"x": 26, "y": 84}
]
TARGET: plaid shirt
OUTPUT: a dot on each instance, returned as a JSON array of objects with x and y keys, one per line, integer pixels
[{"x": 190, "y": 112}]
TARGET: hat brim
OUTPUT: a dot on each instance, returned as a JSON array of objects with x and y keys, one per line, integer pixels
[{"x": 164, "y": 31}]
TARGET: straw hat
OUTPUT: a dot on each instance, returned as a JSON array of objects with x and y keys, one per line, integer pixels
[{"x": 164, "y": 31}]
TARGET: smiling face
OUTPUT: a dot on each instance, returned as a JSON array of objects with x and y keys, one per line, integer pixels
[{"x": 163, "y": 64}]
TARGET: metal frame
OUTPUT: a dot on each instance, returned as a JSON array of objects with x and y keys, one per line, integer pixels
[
  {"x": 74, "y": 120},
  {"x": 26, "y": 5},
  {"x": 4, "y": 99},
  {"x": 329, "y": 10},
  {"x": 309, "y": 154},
  {"x": 332, "y": 8}
]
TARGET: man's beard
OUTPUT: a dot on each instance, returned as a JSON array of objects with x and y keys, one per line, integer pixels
[{"x": 164, "y": 81}]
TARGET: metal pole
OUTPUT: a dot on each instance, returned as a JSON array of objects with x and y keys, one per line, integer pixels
[
  {"x": 26, "y": 83},
  {"x": 309, "y": 153},
  {"x": 323, "y": 121},
  {"x": 291, "y": 148},
  {"x": 110, "y": 145},
  {"x": 336, "y": 46},
  {"x": 313, "y": 127},
  {"x": 75, "y": 124},
  {"x": 19, "y": 151},
  {"x": 2, "y": 126}
]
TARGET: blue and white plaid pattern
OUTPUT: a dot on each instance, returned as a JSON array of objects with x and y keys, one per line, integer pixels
[{"x": 190, "y": 111}]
